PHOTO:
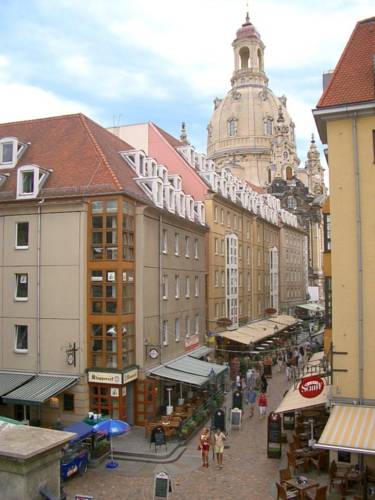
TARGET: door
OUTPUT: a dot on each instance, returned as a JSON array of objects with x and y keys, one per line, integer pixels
[{"x": 146, "y": 405}]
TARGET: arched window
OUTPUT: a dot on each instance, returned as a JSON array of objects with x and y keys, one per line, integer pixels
[
  {"x": 269, "y": 127},
  {"x": 292, "y": 202},
  {"x": 289, "y": 173},
  {"x": 244, "y": 57},
  {"x": 260, "y": 60},
  {"x": 232, "y": 127}
]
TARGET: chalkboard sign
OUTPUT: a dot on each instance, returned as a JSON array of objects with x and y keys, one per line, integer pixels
[
  {"x": 159, "y": 438},
  {"x": 274, "y": 436},
  {"x": 219, "y": 420},
  {"x": 267, "y": 370},
  {"x": 237, "y": 399},
  {"x": 235, "y": 418},
  {"x": 161, "y": 485}
]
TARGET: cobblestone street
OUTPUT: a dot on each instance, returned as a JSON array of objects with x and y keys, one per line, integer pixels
[{"x": 247, "y": 474}]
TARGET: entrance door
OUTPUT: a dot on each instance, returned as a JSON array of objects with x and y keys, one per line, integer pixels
[{"x": 147, "y": 396}]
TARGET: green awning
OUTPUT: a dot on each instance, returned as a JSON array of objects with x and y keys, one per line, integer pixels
[
  {"x": 39, "y": 389},
  {"x": 187, "y": 378},
  {"x": 11, "y": 380},
  {"x": 196, "y": 366}
]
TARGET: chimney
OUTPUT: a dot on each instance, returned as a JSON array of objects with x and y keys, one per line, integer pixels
[{"x": 327, "y": 78}]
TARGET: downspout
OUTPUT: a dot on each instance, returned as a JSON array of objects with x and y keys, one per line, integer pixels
[
  {"x": 39, "y": 231},
  {"x": 160, "y": 286},
  {"x": 357, "y": 188}
]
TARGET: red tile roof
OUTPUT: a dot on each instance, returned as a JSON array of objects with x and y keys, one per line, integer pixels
[
  {"x": 353, "y": 80},
  {"x": 83, "y": 156}
]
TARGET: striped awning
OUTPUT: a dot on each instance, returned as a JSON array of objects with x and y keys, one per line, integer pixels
[
  {"x": 11, "y": 380},
  {"x": 39, "y": 389},
  {"x": 350, "y": 428}
]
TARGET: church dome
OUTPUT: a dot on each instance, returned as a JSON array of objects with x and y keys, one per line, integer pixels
[{"x": 247, "y": 30}]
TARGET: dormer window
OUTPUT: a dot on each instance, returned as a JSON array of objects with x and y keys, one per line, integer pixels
[
  {"x": 3, "y": 178},
  {"x": 10, "y": 151},
  {"x": 30, "y": 179}
]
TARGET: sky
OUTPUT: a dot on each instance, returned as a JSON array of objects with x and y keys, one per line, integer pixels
[{"x": 132, "y": 61}]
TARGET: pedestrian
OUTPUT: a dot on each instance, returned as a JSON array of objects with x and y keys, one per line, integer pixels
[
  {"x": 263, "y": 383},
  {"x": 219, "y": 438},
  {"x": 204, "y": 445},
  {"x": 262, "y": 403},
  {"x": 279, "y": 361}
]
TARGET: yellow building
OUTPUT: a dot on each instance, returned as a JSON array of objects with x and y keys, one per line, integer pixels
[
  {"x": 345, "y": 116},
  {"x": 327, "y": 277}
]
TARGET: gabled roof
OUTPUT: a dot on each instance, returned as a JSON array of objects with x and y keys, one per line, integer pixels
[
  {"x": 353, "y": 80},
  {"x": 83, "y": 156}
]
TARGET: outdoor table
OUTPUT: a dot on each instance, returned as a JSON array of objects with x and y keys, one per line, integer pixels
[{"x": 303, "y": 486}]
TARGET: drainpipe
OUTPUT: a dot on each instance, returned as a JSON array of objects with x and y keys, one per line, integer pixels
[
  {"x": 39, "y": 231},
  {"x": 160, "y": 285},
  {"x": 359, "y": 256}
]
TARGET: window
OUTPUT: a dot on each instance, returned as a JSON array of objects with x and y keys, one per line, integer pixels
[
  {"x": 232, "y": 127},
  {"x": 217, "y": 312},
  {"x": 248, "y": 282},
  {"x": 165, "y": 241},
  {"x": 216, "y": 246},
  {"x": 21, "y": 287},
  {"x": 248, "y": 255},
  {"x": 228, "y": 219},
  {"x": 187, "y": 326},
  {"x": 216, "y": 283},
  {"x": 22, "y": 235},
  {"x": 112, "y": 345},
  {"x": 10, "y": 151},
  {"x": 235, "y": 221},
  {"x": 105, "y": 222},
  {"x": 128, "y": 296},
  {"x": 68, "y": 402},
  {"x": 21, "y": 341},
  {"x": 222, "y": 216},
  {"x": 27, "y": 182},
  {"x": 164, "y": 287},
  {"x": 240, "y": 279},
  {"x": 327, "y": 232},
  {"x": 6, "y": 152},
  {"x": 196, "y": 249},
  {"x": 165, "y": 332},
  {"x": 216, "y": 214},
  {"x": 222, "y": 244},
  {"x": 177, "y": 285},
  {"x": 177, "y": 329},
  {"x": 30, "y": 178},
  {"x": 127, "y": 227},
  {"x": 292, "y": 202},
  {"x": 196, "y": 286},
  {"x": 222, "y": 278},
  {"x": 187, "y": 294},
  {"x": 268, "y": 126},
  {"x": 187, "y": 242},
  {"x": 196, "y": 324},
  {"x": 177, "y": 244}
]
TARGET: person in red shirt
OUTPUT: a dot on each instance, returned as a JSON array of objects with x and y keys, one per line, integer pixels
[{"x": 262, "y": 403}]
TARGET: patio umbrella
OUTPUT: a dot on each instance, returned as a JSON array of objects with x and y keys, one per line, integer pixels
[{"x": 112, "y": 428}]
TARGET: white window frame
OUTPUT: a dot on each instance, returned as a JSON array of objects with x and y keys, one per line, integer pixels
[
  {"x": 177, "y": 329},
  {"x": 18, "y": 281},
  {"x": 216, "y": 213},
  {"x": 217, "y": 310},
  {"x": 196, "y": 286},
  {"x": 196, "y": 252},
  {"x": 177, "y": 244},
  {"x": 22, "y": 247},
  {"x": 196, "y": 324},
  {"x": 216, "y": 246},
  {"x": 165, "y": 242},
  {"x": 187, "y": 326},
  {"x": 39, "y": 177},
  {"x": 216, "y": 279},
  {"x": 17, "y": 149},
  {"x": 165, "y": 332},
  {"x": 177, "y": 286},
  {"x": 187, "y": 287},
  {"x": 16, "y": 332},
  {"x": 164, "y": 285},
  {"x": 187, "y": 244},
  {"x": 222, "y": 216}
]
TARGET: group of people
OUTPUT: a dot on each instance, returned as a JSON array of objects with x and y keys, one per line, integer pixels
[
  {"x": 254, "y": 386},
  {"x": 205, "y": 442}
]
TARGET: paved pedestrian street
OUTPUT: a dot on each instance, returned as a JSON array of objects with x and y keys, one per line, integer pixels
[{"x": 247, "y": 474}]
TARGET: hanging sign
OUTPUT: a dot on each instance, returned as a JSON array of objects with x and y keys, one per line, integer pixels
[{"x": 311, "y": 387}]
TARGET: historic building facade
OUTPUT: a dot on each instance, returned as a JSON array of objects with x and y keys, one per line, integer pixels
[{"x": 252, "y": 134}]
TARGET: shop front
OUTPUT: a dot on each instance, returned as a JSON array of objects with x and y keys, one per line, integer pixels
[{"x": 112, "y": 393}]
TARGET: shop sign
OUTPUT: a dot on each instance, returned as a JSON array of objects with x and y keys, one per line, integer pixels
[
  {"x": 191, "y": 342},
  {"x": 311, "y": 387},
  {"x": 105, "y": 377},
  {"x": 130, "y": 375},
  {"x": 115, "y": 392}
]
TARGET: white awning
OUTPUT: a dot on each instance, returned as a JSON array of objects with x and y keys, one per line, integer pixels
[
  {"x": 350, "y": 428},
  {"x": 293, "y": 400},
  {"x": 201, "y": 351},
  {"x": 312, "y": 307}
]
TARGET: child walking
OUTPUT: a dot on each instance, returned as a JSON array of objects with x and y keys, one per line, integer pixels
[{"x": 262, "y": 403}]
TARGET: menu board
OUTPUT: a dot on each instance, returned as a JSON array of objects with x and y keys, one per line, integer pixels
[
  {"x": 274, "y": 436},
  {"x": 161, "y": 485}
]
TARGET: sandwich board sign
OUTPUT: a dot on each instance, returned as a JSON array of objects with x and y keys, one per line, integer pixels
[{"x": 161, "y": 485}]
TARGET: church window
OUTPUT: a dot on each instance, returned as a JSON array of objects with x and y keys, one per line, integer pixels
[
  {"x": 292, "y": 202},
  {"x": 232, "y": 127},
  {"x": 269, "y": 175},
  {"x": 260, "y": 60},
  {"x": 289, "y": 173},
  {"x": 285, "y": 155},
  {"x": 268, "y": 126},
  {"x": 244, "y": 57}
]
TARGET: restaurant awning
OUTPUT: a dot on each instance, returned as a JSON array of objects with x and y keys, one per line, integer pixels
[
  {"x": 196, "y": 366},
  {"x": 39, "y": 389},
  {"x": 284, "y": 319},
  {"x": 187, "y": 378},
  {"x": 201, "y": 351},
  {"x": 312, "y": 307},
  {"x": 236, "y": 336},
  {"x": 293, "y": 400},
  {"x": 350, "y": 428},
  {"x": 11, "y": 380}
]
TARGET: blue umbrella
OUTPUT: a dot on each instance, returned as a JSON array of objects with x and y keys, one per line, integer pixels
[{"x": 112, "y": 428}]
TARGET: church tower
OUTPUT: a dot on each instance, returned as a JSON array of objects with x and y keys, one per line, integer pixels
[
  {"x": 314, "y": 169},
  {"x": 245, "y": 132}
]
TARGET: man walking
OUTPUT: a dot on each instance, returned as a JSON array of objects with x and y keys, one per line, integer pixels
[{"x": 219, "y": 438}]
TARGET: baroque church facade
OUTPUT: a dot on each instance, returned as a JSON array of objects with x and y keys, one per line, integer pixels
[{"x": 252, "y": 133}]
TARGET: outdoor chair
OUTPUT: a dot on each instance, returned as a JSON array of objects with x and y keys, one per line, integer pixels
[
  {"x": 283, "y": 494},
  {"x": 285, "y": 475},
  {"x": 295, "y": 462},
  {"x": 319, "y": 494},
  {"x": 335, "y": 479},
  {"x": 321, "y": 462}
]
